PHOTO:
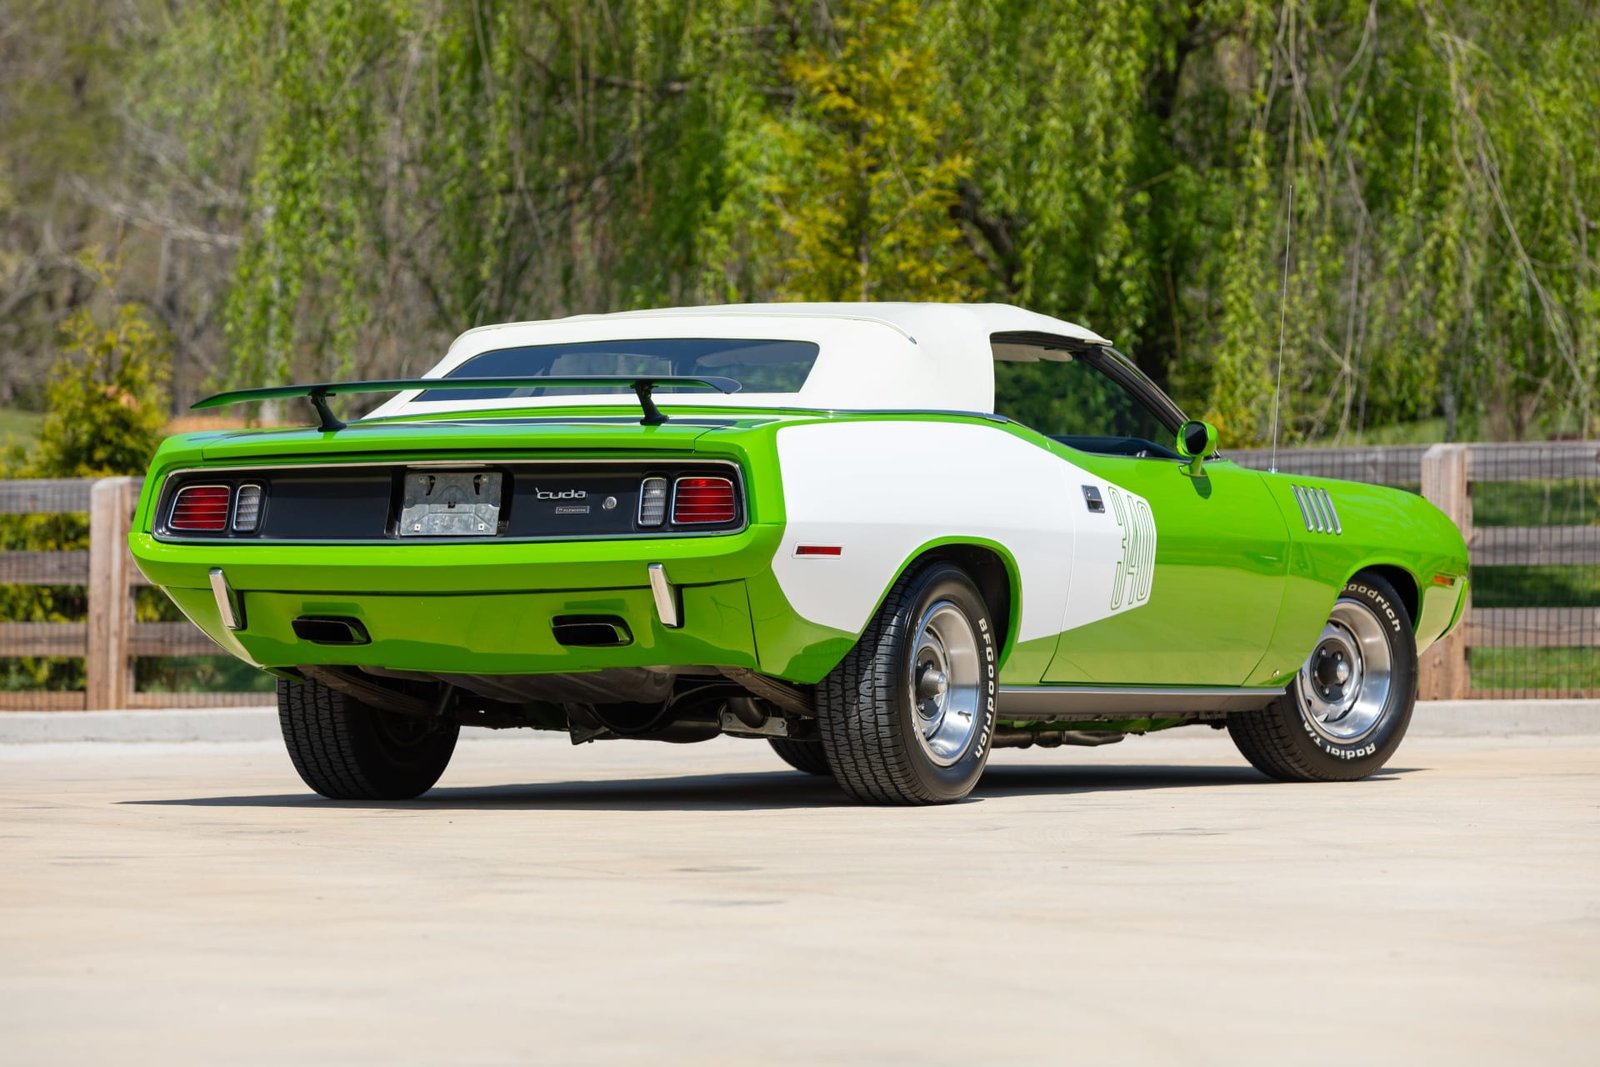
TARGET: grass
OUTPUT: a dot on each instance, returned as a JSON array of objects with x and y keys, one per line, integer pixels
[
  {"x": 1535, "y": 668},
  {"x": 1423, "y": 432},
  {"x": 1569, "y": 502},
  {"x": 21, "y": 425},
  {"x": 1543, "y": 587}
]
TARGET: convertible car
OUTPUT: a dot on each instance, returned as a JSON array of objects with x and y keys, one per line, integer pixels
[{"x": 811, "y": 524}]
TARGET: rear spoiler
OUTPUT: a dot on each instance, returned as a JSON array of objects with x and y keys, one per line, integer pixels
[{"x": 326, "y": 422}]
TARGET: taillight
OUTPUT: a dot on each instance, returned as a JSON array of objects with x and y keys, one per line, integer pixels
[
  {"x": 247, "y": 509},
  {"x": 201, "y": 507},
  {"x": 653, "y": 502},
  {"x": 703, "y": 500}
]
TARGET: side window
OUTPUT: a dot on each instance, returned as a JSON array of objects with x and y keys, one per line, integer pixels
[{"x": 1067, "y": 396}]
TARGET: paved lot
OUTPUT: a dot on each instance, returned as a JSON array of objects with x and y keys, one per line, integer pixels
[{"x": 1153, "y": 901}]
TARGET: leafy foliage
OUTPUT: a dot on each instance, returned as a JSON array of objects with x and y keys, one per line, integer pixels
[
  {"x": 307, "y": 189},
  {"x": 107, "y": 396},
  {"x": 868, "y": 186},
  {"x": 107, "y": 410}
]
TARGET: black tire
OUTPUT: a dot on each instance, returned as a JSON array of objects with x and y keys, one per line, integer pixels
[
  {"x": 346, "y": 750},
  {"x": 866, "y": 714},
  {"x": 1286, "y": 741},
  {"x": 807, "y": 756}
]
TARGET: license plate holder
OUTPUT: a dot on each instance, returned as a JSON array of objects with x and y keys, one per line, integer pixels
[{"x": 441, "y": 503}]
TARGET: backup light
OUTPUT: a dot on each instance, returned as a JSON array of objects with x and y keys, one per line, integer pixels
[
  {"x": 247, "y": 509},
  {"x": 201, "y": 507},
  {"x": 703, "y": 500},
  {"x": 653, "y": 502}
]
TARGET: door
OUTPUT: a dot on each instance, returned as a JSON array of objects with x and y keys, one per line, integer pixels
[{"x": 1177, "y": 579}]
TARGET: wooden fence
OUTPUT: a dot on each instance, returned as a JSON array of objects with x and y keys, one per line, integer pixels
[{"x": 111, "y": 639}]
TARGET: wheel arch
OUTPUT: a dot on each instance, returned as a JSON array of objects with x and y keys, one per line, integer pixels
[
  {"x": 1404, "y": 582},
  {"x": 992, "y": 569}
]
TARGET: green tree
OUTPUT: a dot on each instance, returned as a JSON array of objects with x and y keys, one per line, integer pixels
[
  {"x": 867, "y": 186},
  {"x": 108, "y": 405},
  {"x": 346, "y": 185},
  {"x": 107, "y": 394}
]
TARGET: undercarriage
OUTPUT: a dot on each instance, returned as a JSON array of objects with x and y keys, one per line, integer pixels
[{"x": 673, "y": 704}]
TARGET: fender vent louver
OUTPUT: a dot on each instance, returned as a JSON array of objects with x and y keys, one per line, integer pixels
[{"x": 1316, "y": 508}]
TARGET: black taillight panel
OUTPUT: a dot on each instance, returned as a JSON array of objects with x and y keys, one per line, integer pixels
[{"x": 558, "y": 500}]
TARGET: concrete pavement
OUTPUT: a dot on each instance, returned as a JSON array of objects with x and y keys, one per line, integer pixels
[
  {"x": 1152, "y": 901},
  {"x": 1433, "y": 718}
]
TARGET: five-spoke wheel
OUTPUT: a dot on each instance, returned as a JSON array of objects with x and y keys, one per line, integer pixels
[
  {"x": 908, "y": 716},
  {"x": 1351, "y": 701}
]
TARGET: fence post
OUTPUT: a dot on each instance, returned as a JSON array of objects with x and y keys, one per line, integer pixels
[
  {"x": 109, "y": 677},
  {"x": 1445, "y": 673}
]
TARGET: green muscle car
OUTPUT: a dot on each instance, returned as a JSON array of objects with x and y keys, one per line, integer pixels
[{"x": 804, "y": 523}]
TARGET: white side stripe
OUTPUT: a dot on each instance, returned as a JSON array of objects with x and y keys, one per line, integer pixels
[{"x": 883, "y": 490}]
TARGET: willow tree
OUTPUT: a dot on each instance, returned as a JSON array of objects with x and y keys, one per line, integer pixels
[
  {"x": 420, "y": 166},
  {"x": 870, "y": 169},
  {"x": 1443, "y": 200}
]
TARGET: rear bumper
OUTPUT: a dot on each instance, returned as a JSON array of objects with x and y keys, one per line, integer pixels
[
  {"x": 484, "y": 633},
  {"x": 485, "y": 608}
]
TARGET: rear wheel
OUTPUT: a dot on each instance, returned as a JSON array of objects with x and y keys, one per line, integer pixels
[
  {"x": 346, "y": 750},
  {"x": 807, "y": 756},
  {"x": 907, "y": 717},
  {"x": 1349, "y": 706}
]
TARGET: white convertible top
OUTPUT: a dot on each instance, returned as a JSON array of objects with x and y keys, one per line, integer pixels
[{"x": 871, "y": 355}]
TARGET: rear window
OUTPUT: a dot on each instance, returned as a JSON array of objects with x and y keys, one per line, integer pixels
[{"x": 759, "y": 366}]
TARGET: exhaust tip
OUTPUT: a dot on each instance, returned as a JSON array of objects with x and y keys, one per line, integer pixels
[
  {"x": 591, "y": 631},
  {"x": 331, "y": 630}
]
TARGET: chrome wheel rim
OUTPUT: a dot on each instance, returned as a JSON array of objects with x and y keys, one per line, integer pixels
[
  {"x": 943, "y": 683},
  {"x": 1346, "y": 681}
]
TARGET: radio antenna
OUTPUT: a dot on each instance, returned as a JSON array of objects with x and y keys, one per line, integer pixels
[{"x": 1283, "y": 313}]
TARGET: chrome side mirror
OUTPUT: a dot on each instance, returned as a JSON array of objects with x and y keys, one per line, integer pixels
[{"x": 1196, "y": 441}]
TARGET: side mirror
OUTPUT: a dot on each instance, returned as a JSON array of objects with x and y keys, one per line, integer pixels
[{"x": 1196, "y": 441}]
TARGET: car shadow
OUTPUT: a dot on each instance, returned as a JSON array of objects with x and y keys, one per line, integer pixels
[
  {"x": 747, "y": 791},
  {"x": 1036, "y": 779}
]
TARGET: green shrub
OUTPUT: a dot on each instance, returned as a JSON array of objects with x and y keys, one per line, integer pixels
[{"x": 107, "y": 407}]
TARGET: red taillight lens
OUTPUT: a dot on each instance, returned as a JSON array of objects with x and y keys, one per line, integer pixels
[
  {"x": 201, "y": 507},
  {"x": 703, "y": 500}
]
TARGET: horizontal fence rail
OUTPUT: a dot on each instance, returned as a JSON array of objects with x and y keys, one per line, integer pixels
[
  {"x": 45, "y": 496},
  {"x": 1390, "y": 465},
  {"x": 109, "y": 639}
]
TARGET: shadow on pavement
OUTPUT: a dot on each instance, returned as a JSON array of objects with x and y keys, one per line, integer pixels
[{"x": 752, "y": 791}]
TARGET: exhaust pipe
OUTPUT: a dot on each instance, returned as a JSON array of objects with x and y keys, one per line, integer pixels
[{"x": 331, "y": 630}]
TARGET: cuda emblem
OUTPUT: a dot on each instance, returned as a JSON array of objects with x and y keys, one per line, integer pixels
[
  {"x": 559, "y": 494},
  {"x": 1131, "y": 585}
]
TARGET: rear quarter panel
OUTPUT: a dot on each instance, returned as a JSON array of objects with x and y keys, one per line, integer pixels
[{"x": 886, "y": 489}]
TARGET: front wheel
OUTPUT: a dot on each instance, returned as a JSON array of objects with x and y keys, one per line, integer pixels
[
  {"x": 908, "y": 716},
  {"x": 1351, "y": 702},
  {"x": 346, "y": 750}
]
